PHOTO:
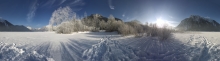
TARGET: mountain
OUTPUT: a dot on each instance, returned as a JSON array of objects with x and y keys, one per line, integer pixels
[
  {"x": 40, "y": 29},
  {"x": 198, "y": 23},
  {"x": 30, "y": 28},
  {"x": 7, "y": 26},
  {"x": 5, "y": 23},
  {"x": 99, "y": 17}
]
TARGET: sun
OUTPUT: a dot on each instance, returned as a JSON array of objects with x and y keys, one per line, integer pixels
[{"x": 161, "y": 22}]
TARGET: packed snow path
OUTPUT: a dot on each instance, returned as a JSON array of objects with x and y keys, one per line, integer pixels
[{"x": 101, "y": 46}]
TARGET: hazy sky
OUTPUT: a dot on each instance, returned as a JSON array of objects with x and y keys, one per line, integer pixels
[{"x": 37, "y": 13}]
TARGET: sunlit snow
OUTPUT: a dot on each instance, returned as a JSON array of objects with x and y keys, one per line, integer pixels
[{"x": 108, "y": 46}]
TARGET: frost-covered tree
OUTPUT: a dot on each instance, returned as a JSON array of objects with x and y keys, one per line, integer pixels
[
  {"x": 139, "y": 28},
  {"x": 60, "y": 15},
  {"x": 112, "y": 24},
  {"x": 64, "y": 28},
  {"x": 111, "y": 17},
  {"x": 102, "y": 25},
  {"x": 125, "y": 29}
]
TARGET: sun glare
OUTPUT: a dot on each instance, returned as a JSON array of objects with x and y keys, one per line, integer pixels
[{"x": 161, "y": 22}]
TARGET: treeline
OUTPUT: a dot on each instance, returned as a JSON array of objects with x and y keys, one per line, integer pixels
[
  {"x": 133, "y": 27},
  {"x": 65, "y": 21}
]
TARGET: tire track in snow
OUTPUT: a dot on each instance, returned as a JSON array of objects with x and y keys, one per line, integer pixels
[
  {"x": 155, "y": 50},
  {"x": 70, "y": 53},
  {"x": 70, "y": 50}
]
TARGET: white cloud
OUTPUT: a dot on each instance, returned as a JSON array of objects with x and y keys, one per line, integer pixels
[
  {"x": 123, "y": 15},
  {"x": 70, "y": 3},
  {"x": 62, "y": 1},
  {"x": 32, "y": 11},
  {"x": 76, "y": 1},
  {"x": 49, "y": 3},
  {"x": 110, "y": 4}
]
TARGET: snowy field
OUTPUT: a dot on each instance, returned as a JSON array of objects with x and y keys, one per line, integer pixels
[{"x": 108, "y": 46}]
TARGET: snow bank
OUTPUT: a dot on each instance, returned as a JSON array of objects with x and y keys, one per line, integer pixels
[
  {"x": 201, "y": 49},
  {"x": 9, "y": 52}
]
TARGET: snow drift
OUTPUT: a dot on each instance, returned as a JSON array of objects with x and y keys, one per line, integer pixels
[
  {"x": 9, "y": 52},
  {"x": 151, "y": 49},
  {"x": 109, "y": 50}
]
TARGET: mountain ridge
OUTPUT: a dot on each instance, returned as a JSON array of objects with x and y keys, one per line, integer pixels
[
  {"x": 198, "y": 23},
  {"x": 7, "y": 26},
  {"x": 99, "y": 17}
]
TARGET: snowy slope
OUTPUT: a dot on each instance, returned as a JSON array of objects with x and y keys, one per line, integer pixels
[
  {"x": 29, "y": 27},
  {"x": 5, "y": 23},
  {"x": 104, "y": 46}
]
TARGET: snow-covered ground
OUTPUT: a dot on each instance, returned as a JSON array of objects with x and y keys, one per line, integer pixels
[{"x": 108, "y": 46}]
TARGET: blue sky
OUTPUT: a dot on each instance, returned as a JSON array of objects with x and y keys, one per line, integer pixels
[{"x": 37, "y": 13}]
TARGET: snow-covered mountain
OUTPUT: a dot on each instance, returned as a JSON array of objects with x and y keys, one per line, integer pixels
[
  {"x": 45, "y": 28},
  {"x": 198, "y": 23},
  {"x": 5, "y": 23},
  {"x": 7, "y": 26},
  {"x": 30, "y": 28}
]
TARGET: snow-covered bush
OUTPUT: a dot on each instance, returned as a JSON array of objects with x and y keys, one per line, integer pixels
[
  {"x": 94, "y": 29},
  {"x": 125, "y": 29},
  {"x": 162, "y": 33},
  {"x": 153, "y": 30},
  {"x": 65, "y": 28},
  {"x": 102, "y": 25},
  {"x": 72, "y": 26},
  {"x": 146, "y": 28},
  {"x": 138, "y": 27},
  {"x": 64, "y": 21}
]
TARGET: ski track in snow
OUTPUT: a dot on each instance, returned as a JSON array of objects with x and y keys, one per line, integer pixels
[{"x": 104, "y": 47}]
